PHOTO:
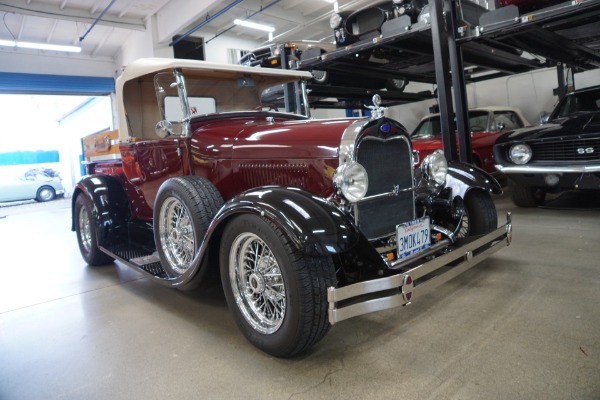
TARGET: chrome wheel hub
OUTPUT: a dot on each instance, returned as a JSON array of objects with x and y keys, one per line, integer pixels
[
  {"x": 176, "y": 235},
  {"x": 257, "y": 283},
  {"x": 84, "y": 229}
]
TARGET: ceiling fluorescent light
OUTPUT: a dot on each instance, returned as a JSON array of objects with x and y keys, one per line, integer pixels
[
  {"x": 8, "y": 43},
  {"x": 40, "y": 46},
  {"x": 253, "y": 25}
]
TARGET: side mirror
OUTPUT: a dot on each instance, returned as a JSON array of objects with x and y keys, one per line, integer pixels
[
  {"x": 500, "y": 126},
  {"x": 545, "y": 117},
  {"x": 163, "y": 129}
]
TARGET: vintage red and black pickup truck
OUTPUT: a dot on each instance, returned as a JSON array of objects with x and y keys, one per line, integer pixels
[{"x": 307, "y": 222}]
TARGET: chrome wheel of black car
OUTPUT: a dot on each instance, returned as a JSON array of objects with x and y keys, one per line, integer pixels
[
  {"x": 526, "y": 196},
  {"x": 320, "y": 77},
  {"x": 86, "y": 233},
  {"x": 45, "y": 193},
  {"x": 185, "y": 207},
  {"x": 278, "y": 296},
  {"x": 397, "y": 85},
  {"x": 479, "y": 214}
]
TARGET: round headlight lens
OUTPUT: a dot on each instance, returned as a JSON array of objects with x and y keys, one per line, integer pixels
[
  {"x": 435, "y": 167},
  {"x": 335, "y": 20},
  {"x": 520, "y": 153},
  {"x": 351, "y": 180}
]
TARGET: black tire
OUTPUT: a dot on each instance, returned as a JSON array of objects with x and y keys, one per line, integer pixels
[
  {"x": 526, "y": 196},
  {"x": 397, "y": 85},
  {"x": 183, "y": 210},
  {"x": 87, "y": 233},
  {"x": 45, "y": 193},
  {"x": 281, "y": 305},
  {"x": 480, "y": 216}
]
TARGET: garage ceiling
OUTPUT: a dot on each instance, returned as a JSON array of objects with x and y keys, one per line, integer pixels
[{"x": 105, "y": 25}]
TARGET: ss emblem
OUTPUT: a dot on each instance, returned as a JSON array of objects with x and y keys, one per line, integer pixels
[{"x": 587, "y": 150}]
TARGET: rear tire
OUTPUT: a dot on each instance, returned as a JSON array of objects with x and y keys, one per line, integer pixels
[
  {"x": 320, "y": 77},
  {"x": 277, "y": 295},
  {"x": 397, "y": 85},
  {"x": 526, "y": 196},
  {"x": 480, "y": 216},
  {"x": 45, "y": 193},
  {"x": 86, "y": 231}
]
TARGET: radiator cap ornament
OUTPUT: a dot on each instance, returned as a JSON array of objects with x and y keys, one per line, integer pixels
[{"x": 376, "y": 109}]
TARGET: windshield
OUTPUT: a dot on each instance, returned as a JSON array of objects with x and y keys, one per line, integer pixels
[
  {"x": 588, "y": 100},
  {"x": 430, "y": 127}
]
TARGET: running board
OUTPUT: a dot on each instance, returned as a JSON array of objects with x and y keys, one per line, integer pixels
[{"x": 138, "y": 258}]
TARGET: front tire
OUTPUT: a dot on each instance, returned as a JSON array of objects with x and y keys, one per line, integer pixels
[
  {"x": 526, "y": 196},
  {"x": 277, "y": 295},
  {"x": 184, "y": 208},
  {"x": 479, "y": 215},
  {"x": 85, "y": 228}
]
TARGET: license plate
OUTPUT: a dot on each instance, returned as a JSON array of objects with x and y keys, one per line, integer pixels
[{"x": 412, "y": 237}]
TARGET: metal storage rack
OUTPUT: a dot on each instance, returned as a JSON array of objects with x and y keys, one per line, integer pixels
[{"x": 446, "y": 51}]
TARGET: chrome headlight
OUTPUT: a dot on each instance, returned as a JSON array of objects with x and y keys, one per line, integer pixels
[
  {"x": 275, "y": 50},
  {"x": 520, "y": 153},
  {"x": 335, "y": 20},
  {"x": 435, "y": 167},
  {"x": 351, "y": 181}
]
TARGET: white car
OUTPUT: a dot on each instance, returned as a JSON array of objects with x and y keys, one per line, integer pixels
[{"x": 30, "y": 187}]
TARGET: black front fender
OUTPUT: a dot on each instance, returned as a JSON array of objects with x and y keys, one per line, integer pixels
[
  {"x": 110, "y": 205},
  {"x": 316, "y": 226},
  {"x": 463, "y": 177}
]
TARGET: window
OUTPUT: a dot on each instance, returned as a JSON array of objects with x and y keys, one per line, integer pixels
[{"x": 506, "y": 120}]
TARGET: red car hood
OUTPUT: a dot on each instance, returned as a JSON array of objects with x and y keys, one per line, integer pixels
[
  {"x": 256, "y": 138},
  {"x": 427, "y": 144}
]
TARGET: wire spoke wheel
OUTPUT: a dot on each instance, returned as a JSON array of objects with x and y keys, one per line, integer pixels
[
  {"x": 183, "y": 210},
  {"x": 85, "y": 229},
  {"x": 277, "y": 295},
  {"x": 257, "y": 283},
  {"x": 176, "y": 234}
]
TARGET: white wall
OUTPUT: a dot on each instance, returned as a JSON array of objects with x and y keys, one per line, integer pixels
[
  {"x": 36, "y": 62},
  {"x": 531, "y": 92},
  {"x": 95, "y": 117}
]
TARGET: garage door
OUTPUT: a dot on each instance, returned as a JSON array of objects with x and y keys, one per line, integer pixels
[{"x": 15, "y": 83}]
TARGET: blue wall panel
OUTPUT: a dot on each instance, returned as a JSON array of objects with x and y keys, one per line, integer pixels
[
  {"x": 29, "y": 157},
  {"x": 16, "y": 83}
]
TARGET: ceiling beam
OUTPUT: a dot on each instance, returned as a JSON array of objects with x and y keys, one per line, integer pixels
[{"x": 70, "y": 14}]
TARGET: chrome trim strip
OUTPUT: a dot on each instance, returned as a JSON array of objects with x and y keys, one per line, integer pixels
[
  {"x": 388, "y": 194},
  {"x": 348, "y": 141},
  {"x": 541, "y": 169},
  {"x": 495, "y": 239}
]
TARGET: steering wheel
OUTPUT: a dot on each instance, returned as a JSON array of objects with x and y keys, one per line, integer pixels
[{"x": 268, "y": 107}]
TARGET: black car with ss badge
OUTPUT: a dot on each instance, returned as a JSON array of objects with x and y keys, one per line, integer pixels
[{"x": 561, "y": 154}]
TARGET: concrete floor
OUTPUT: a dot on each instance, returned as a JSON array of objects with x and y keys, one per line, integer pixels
[{"x": 524, "y": 324}]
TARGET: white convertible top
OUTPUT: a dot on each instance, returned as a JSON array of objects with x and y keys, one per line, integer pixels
[
  {"x": 144, "y": 66},
  {"x": 144, "y": 69}
]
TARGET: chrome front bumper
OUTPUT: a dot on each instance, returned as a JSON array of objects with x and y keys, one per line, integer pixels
[
  {"x": 537, "y": 169},
  {"x": 414, "y": 281}
]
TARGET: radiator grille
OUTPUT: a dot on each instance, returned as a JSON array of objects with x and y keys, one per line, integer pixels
[
  {"x": 577, "y": 150},
  {"x": 389, "y": 166}
]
